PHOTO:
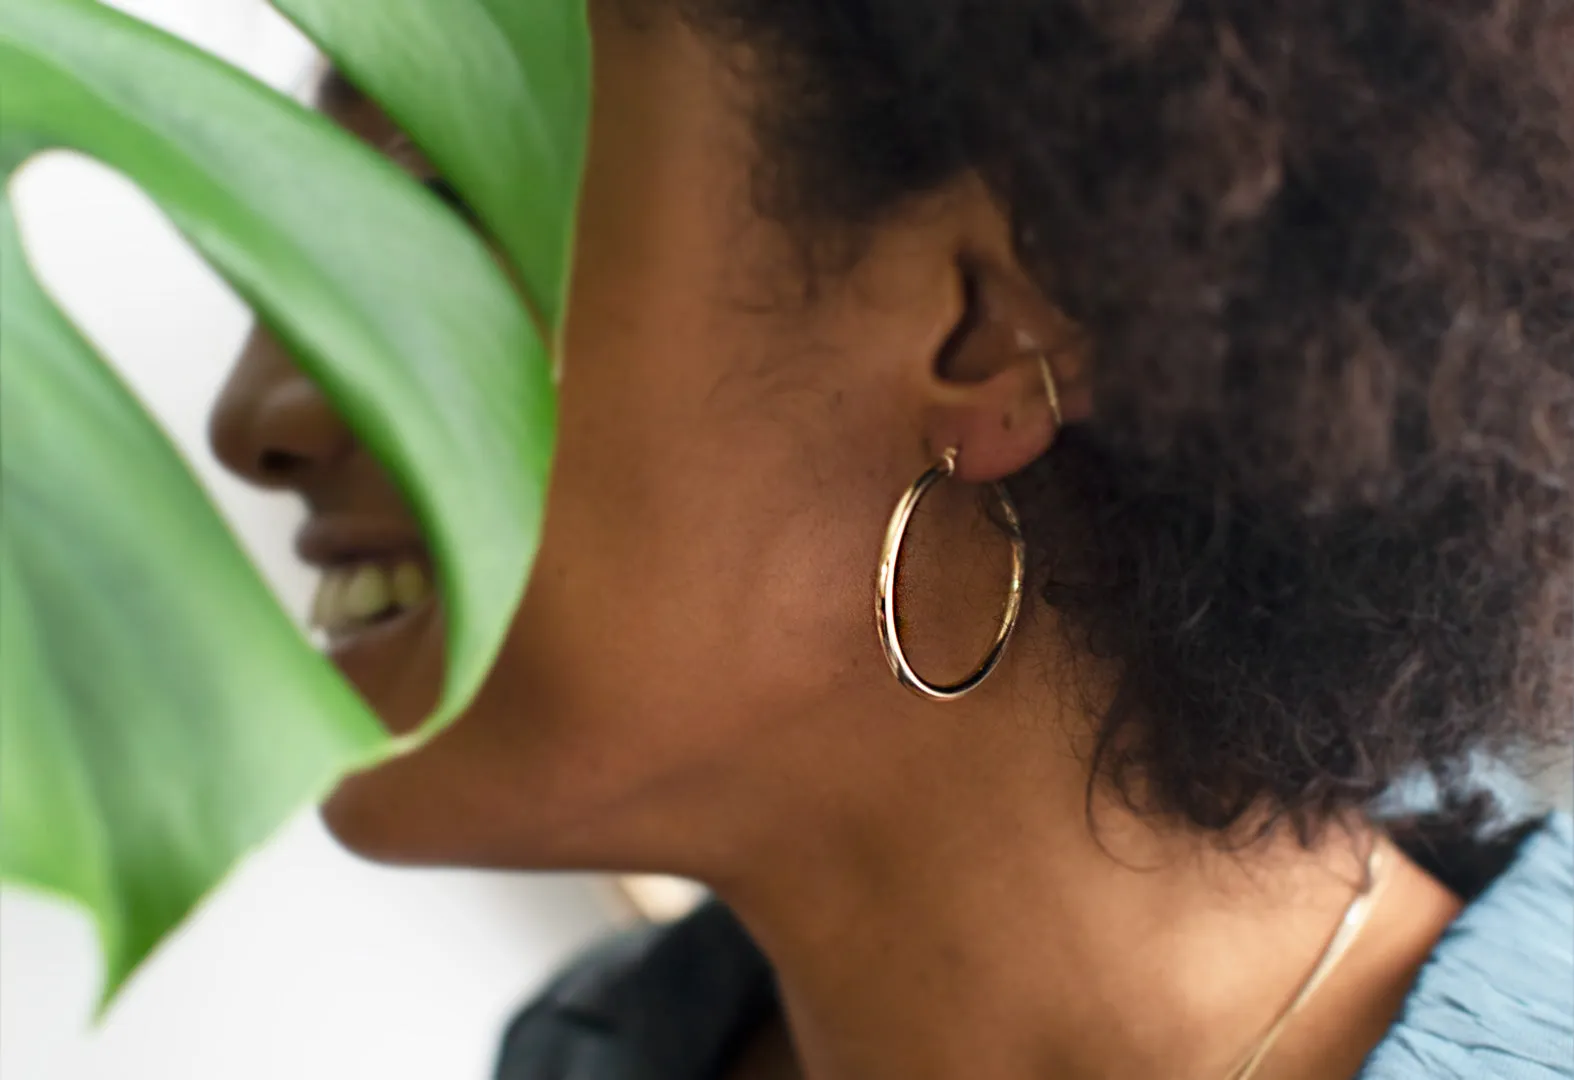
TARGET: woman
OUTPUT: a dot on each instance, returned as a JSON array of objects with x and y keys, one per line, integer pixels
[{"x": 1259, "y": 316}]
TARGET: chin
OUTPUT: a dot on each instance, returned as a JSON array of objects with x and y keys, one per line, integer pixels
[
  {"x": 367, "y": 823},
  {"x": 453, "y": 802},
  {"x": 402, "y": 812}
]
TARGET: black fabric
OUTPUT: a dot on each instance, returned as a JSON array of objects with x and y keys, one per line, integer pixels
[{"x": 654, "y": 1003}]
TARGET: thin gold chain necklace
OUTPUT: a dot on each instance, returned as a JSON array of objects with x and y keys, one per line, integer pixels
[{"x": 1355, "y": 917}]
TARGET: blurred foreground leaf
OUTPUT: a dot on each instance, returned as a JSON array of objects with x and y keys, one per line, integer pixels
[{"x": 159, "y": 715}]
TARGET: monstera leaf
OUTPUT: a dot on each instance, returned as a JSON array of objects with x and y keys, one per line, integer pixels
[{"x": 159, "y": 714}]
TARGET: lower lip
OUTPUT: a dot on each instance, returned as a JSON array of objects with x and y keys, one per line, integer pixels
[{"x": 388, "y": 626}]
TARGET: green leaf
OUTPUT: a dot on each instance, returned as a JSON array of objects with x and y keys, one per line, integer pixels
[
  {"x": 159, "y": 716},
  {"x": 501, "y": 107},
  {"x": 138, "y": 759}
]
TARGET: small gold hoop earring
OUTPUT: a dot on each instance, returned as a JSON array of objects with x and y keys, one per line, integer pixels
[
  {"x": 1051, "y": 390},
  {"x": 885, "y": 589}
]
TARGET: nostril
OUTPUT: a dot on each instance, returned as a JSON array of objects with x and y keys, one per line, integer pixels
[
  {"x": 280, "y": 464},
  {"x": 270, "y": 425}
]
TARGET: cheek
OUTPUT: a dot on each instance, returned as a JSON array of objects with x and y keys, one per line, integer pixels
[
  {"x": 699, "y": 566},
  {"x": 705, "y": 579}
]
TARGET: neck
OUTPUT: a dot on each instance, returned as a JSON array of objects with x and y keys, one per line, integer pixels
[{"x": 954, "y": 915}]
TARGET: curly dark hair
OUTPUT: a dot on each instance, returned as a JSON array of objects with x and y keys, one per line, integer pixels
[{"x": 1323, "y": 253}]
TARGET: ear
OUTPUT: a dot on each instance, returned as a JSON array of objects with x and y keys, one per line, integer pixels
[{"x": 989, "y": 396}]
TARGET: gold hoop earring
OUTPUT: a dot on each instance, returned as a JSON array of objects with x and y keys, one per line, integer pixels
[
  {"x": 885, "y": 588},
  {"x": 1052, "y": 390}
]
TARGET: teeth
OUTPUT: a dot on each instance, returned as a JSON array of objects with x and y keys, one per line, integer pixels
[
  {"x": 366, "y": 594},
  {"x": 409, "y": 585},
  {"x": 353, "y": 595},
  {"x": 325, "y": 605}
]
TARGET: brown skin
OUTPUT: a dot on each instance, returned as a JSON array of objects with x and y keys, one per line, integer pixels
[{"x": 693, "y": 683}]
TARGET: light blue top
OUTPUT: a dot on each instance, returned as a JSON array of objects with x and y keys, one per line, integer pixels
[{"x": 1494, "y": 1002}]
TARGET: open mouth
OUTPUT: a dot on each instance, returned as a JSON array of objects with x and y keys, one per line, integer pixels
[{"x": 357, "y": 595}]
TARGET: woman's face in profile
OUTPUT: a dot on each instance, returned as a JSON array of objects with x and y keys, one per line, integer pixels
[{"x": 727, "y": 459}]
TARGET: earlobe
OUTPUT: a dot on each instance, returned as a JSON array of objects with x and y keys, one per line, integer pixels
[
  {"x": 1010, "y": 380},
  {"x": 1001, "y": 424}
]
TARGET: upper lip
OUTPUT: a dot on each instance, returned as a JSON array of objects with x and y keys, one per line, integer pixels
[{"x": 330, "y": 541}]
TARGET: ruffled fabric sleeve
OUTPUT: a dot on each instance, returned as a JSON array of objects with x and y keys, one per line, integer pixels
[{"x": 1496, "y": 1000}]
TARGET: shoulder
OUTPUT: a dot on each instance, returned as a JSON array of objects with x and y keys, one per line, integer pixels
[
  {"x": 664, "y": 1002},
  {"x": 1496, "y": 999}
]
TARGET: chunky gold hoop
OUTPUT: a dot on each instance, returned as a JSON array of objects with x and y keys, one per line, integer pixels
[{"x": 885, "y": 588}]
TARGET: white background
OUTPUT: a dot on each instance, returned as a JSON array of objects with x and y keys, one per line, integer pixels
[{"x": 308, "y": 964}]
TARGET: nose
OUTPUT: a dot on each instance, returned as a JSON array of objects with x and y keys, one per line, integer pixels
[{"x": 271, "y": 425}]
